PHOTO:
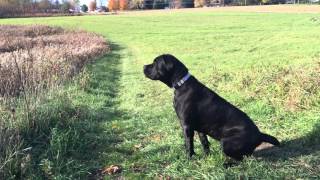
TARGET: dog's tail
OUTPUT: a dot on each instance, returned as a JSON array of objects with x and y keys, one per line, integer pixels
[{"x": 269, "y": 139}]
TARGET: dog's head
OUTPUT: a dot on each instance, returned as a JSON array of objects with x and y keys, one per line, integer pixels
[{"x": 166, "y": 68}]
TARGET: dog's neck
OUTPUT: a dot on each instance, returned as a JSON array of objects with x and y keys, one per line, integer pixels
[{"x": 180, "y": 82}]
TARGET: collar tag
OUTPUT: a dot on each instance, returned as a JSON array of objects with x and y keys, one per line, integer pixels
[{"x": 182, "y": 81}]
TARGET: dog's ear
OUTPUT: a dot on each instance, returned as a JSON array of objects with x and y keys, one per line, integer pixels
[
  {"x": 175, "y": 66},
  {"x": 169, "y": 61},
  {"x": 158, "y": 58}
]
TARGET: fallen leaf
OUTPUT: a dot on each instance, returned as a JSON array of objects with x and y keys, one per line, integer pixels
[
  {"x": 113, "y": 169},
  {"x": 153, "y": 138},
  {"x": 156, "y": 137},
  {"x": 161, "y": 177},
  {"x": 137, "y": 146},
  {"x": 137, "y": 168},
  {"x": 114, "y": 126}
]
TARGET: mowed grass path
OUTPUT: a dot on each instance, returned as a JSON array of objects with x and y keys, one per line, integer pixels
[{"x": 227, "y": 51}]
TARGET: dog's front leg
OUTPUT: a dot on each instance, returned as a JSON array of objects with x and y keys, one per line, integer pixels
[
  {"x": 188, "y": 133},
  {"x": 205, "y": 143}
]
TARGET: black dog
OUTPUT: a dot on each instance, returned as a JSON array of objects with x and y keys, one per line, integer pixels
[{"x": 202, "y": 110}]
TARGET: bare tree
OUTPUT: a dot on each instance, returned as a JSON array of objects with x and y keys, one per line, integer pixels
[
  {"x": 44, "y": 5},
  {"x": 92, "y": 5}
]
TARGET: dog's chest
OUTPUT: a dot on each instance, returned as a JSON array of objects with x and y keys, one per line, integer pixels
[
  {"x": 183, "y": 106},
  {"x": 177, "y": 105}
]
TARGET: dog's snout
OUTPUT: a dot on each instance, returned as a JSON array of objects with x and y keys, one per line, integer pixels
[
  {"x": 145, "y": 70},
  {"x": 148, "y": 71}
]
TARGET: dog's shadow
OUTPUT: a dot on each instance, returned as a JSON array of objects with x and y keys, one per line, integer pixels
[{"x": 306, "y": 145}]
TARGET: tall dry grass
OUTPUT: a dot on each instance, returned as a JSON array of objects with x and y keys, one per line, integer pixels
[
  {"x": 34, "y": 59},
  {"x": 292, "y": 88},
  {"x": 289, "y": 89}
]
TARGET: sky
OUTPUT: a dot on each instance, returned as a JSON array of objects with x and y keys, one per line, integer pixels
[
  {"x": 104, "y": 2},
  {"x": 98, "y": 2}
]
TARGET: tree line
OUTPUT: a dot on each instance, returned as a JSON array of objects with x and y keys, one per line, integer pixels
[
  {"x": 162, "y": 4},
  {"x": 13, "y": 8}
]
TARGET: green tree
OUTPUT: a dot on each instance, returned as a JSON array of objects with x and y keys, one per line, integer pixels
[
  {"x": 265, "y": 1},
  {"x": 187, "y": 3},
  {"x": 84, "y": 8},
  {"x": 160, "y": 4}
]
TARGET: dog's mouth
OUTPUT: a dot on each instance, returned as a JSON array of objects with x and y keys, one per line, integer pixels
[{"x": 145, "y": 70}]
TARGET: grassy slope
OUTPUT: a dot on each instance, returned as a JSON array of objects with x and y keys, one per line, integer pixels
[{"x": 142, "y": 133}]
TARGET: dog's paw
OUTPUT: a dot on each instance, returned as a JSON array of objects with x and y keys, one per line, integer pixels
[
  {"x": 229, "y": 164},
  {"x": 207, "y": 152},
  {"x": 190, "y": 154}
]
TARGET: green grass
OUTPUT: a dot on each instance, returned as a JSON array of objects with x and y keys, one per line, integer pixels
[{"x": 265, "y": 63}]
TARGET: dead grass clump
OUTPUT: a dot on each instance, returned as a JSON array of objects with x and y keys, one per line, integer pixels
[
  {"x": 30, "y": 30},
  {"x": 285, "y": 88},
  {"x": 10, "y": 146},
  {"x": 34, "y": 58},
  {"x": 37, "y": 57},
  {"x": 291, "y": 88}
]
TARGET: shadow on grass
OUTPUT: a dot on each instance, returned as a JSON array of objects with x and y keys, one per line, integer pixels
[
  {"x": 70, "y": 134},
  {"x": 105, "y": 82},
  {"x": 306, "y": 145},
  {"x": 111, "y": 127}
]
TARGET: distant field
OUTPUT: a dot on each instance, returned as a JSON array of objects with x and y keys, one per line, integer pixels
[{"x": 268, "y": 64}]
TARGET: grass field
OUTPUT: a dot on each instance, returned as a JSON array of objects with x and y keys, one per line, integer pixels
[{"x": 268, "y": 64}]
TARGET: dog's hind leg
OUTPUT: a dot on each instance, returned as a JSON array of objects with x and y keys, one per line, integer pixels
[
  {"x": 232, "y": 149},
  {"x": 205, "y": 143},
  {"x": 234, "y": 155}
]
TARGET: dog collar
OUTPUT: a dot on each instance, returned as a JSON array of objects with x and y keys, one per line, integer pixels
[{"x": 181, "y": 82}]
